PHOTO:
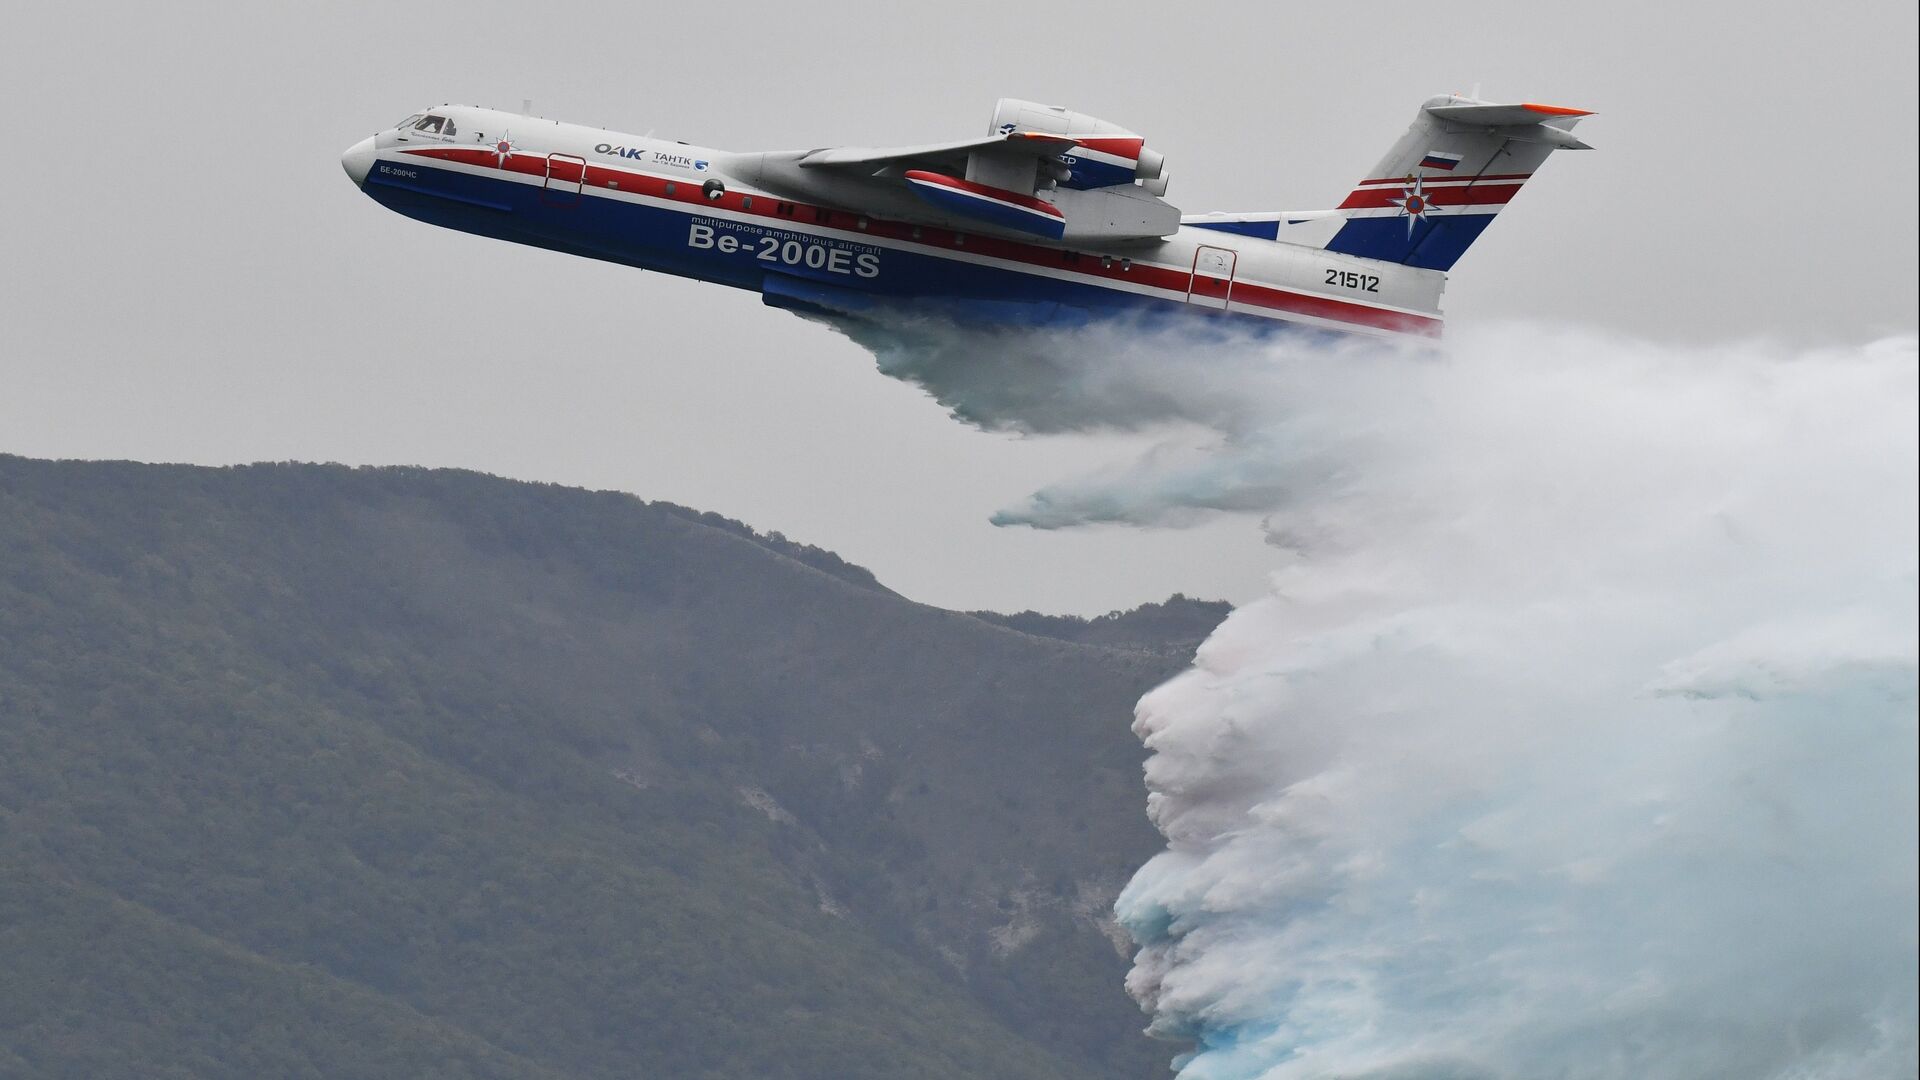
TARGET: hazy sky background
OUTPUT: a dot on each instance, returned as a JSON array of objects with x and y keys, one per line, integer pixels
[{"x": 190, "y": 277}]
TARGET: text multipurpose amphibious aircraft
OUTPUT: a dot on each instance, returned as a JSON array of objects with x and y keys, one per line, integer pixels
[{"x": 1050, "y": 217}]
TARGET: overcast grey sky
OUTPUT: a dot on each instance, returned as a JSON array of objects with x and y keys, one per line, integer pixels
[{"x": 189, "y": 276}]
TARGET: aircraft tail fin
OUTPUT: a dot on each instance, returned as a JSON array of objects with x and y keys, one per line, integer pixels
[{"x": 1440, "y": 186}]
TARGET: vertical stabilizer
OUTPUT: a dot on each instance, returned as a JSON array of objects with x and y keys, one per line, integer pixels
[{"x": 1442, "y": 184}]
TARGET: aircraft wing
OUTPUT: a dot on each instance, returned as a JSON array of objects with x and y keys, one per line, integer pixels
[
  {"x": 950, "y": 155},
  {"x": 1045, "y": 171}
]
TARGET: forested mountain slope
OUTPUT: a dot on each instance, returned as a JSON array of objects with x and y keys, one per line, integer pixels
[{"x": 316, "y": 771}]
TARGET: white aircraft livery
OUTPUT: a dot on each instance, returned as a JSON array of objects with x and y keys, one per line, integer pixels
[{"x": 1052, "y": 217}]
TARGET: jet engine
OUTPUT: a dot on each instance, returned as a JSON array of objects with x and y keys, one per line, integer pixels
[{"x": 1108, "y": 154}]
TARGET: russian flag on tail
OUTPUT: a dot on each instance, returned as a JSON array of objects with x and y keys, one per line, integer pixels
[{"x": 1440, "y": 159}]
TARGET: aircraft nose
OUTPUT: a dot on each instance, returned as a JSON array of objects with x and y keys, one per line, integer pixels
[{"x": 358, "y": 159}]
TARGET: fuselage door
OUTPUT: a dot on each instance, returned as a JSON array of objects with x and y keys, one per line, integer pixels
[
  {"x": 1212, "y": 283},
  {"x": 566, "y": 175}
]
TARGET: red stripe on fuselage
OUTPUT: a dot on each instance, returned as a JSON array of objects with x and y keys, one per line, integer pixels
[{"x": 1245, "y": 294}]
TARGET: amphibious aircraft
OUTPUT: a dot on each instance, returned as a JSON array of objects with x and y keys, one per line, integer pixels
[{"x": 1050, "y": 217}]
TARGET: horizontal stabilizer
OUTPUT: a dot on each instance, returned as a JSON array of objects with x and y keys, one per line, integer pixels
[
  {"x": 1527, "y": 123},
  {"x": 1502, "y": 115}
]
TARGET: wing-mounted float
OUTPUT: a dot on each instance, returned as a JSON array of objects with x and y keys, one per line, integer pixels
[{"x": 1041, "y": 172}]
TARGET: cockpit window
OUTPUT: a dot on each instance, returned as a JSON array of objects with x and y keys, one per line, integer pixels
[
  {"x": 432, "y": 125},
  {"x": 407, "y": 123}
]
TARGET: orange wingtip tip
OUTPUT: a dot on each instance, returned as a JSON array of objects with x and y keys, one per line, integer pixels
[{"x": 1556, "y": 110}]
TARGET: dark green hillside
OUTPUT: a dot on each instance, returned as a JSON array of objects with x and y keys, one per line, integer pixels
[
  {"x": 1177, "y": 625},
  {"x": 314, "y": 771}
]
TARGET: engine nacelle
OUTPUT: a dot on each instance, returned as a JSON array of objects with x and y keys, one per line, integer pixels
[{"x": 1108, "y": 154}]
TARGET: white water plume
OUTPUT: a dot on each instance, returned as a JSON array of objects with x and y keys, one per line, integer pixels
[{"x": 1577, "y": 737}]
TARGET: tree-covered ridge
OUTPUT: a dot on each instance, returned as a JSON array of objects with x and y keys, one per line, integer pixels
[
  {"x": 1176, "y": 625},
  {"x": 308, "y": 770}
]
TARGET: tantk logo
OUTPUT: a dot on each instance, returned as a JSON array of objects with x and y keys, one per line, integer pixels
[
  {"x": 699, "y": 166},
  {"x": 1414, "y": 203}
]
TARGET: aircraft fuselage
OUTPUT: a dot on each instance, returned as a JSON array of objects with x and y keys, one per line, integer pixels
[{"x": 839, "y": 245}]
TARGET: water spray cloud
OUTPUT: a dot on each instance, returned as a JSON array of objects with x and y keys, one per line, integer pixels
[{"x": 1577, "y": 737}]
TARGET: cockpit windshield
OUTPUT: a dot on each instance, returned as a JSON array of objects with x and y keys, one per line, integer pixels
[
  {"x": 408, "y": 122},
  {"x": 433, "y": 124}
]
